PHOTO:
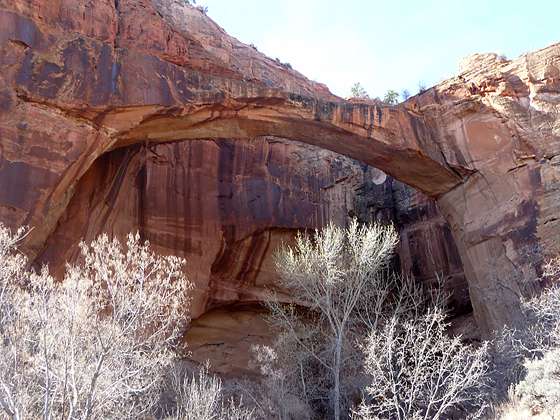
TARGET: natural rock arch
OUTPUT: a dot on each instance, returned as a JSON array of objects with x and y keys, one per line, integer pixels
[{"x": 75, "y": 85}]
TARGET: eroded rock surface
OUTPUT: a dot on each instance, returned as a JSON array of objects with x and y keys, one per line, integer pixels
[
  {"x": 226, "y": 207},
  {"x": 502, "y": 120},
  {"x": 91, "y": 90}
]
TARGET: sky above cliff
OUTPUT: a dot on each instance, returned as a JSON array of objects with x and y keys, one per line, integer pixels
[{"x": 388, "y": 44}]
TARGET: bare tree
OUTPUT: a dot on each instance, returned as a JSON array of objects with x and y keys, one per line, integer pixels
[
  {"x": 329, "y": 272},
  {"x": 405, "y": 94},
  {"x": 290, "y": 379},
  {"x": 96, "y": 345},
  {"x": 418, "y": 372},
  {"x": 13, "y": 401}
]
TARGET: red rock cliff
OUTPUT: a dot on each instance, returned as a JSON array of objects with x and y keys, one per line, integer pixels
[{"x": 100, "y": 104}]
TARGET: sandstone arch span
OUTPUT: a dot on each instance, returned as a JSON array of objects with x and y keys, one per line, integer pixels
[{"x": 79, "y": 80}]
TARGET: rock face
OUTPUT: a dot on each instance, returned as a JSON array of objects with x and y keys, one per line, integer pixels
[
  {"x": 503, "y": 121},
  {"x": 226, "y": 206},
  {"x": 115, "y": 115}
]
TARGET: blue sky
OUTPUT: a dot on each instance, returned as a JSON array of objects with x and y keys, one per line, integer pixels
[{"x": 387, "y": 44}]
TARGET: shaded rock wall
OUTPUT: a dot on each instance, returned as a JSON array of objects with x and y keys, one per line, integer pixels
[
  {"x": 427, "y": 248},
  {"x": 226, "y": 206}
]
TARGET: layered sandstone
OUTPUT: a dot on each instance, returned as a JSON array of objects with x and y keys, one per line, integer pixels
[
  {"x": 502, "y": 119},
  {"x": 223, "y": 205},
  {"x": 93, "y": 93},
  {"x": 226, "y": 207}
]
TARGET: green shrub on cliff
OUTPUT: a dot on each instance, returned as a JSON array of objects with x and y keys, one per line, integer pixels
[
  {"x": 358, "y": 91},
  {"x": 391, "y": 97}
]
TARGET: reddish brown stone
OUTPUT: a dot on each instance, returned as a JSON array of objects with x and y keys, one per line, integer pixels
[{"x": 101, "y": 83}]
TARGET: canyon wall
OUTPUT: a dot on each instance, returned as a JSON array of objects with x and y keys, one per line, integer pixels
[
  {"x": 145, "y": 113},
  {"x": 227, "y": 206}
]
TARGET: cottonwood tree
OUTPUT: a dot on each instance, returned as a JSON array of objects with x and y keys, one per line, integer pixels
[
  {"x": 414, "y": 369},
  {"x": 96, "y": 345},
  {"x": 328, "y": 272}
]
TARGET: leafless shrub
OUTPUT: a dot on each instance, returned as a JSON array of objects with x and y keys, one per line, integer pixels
[
  {"x": 201, "y": 397},
  {"x": 537, "y": 395},
  {"x": 540, "y": 389},
  {"x": 418, "y": 372},
  {"x": 526, "y": 360},
  {"x": 513, "y": 349},
  {"x": 95, "y": 345},
  {"x": 291, "y": 380}
]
